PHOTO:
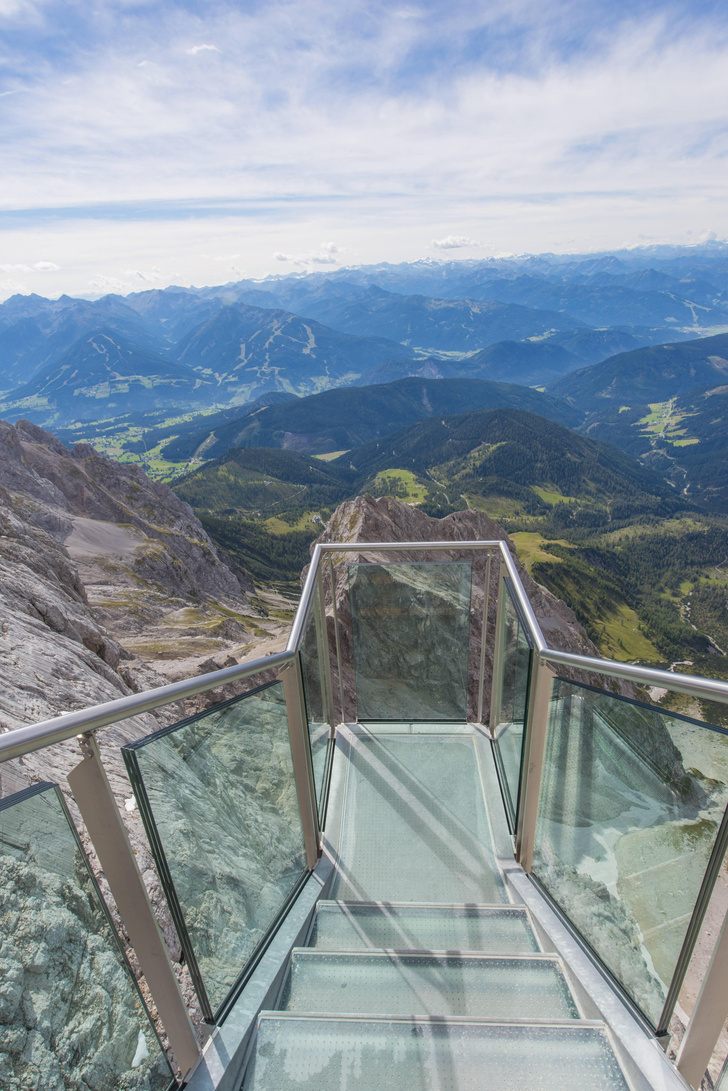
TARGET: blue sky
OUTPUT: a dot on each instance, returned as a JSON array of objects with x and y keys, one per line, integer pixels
[{"x": 145, "y": 143}]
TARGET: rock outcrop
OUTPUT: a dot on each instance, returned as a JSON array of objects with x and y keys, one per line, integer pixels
[
  {"x": 146, "y": 566},
  {"x": 366, "y": 519},
  {"x": 92, "y": 1035},
  {"x": 93, "y": 556}
]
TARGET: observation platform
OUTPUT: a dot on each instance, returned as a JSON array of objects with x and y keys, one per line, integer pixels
[
  {"x": 420, "y": 849},
  {"x": 422, "y": 967}
]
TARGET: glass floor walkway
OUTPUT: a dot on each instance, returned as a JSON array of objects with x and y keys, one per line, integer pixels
[{"x": 421, "y": 969}]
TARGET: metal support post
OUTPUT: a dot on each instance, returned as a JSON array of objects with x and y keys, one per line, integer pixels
[
  {"x": 322, "y": 640},
  {"x": 708, "y": 1017},
  {"x": 484, "y": 639},
  {"x": 496, "y": 685},
  {"x": 532, "y": 765},
  {"x": 292, "y": 681},
  {"x": 92, "y": 792},
  {"x": 332, "y": 574}
]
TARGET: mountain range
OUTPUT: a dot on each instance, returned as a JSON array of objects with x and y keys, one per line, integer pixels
[
  {"x": 432, "y": 324},
  {"x": 104, "y": 375},
  {"x": 667, "y": 406},
  {"x": 346, "y": 417},
  {"x": 491, "y": 451},
  {"x": 647, "y": 374},
  {"x": 313, "y": 362},
  {"x": 541, "y": 318},
  {"x": 597, "y": 301}
]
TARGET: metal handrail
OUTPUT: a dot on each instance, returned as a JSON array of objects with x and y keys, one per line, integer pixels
[
  {"x": 707, "y": 688},
  {"x": 24, "y": 740}
]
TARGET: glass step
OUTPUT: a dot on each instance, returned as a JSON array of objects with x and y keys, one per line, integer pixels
[
  {"x": 314, "y": 1054},
  {"x": 475, "y": 986},
  {"x": 415, "y": 826},
  {"x": 494, "y": 929}
]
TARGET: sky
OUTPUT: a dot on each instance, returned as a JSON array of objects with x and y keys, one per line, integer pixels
[{"x": 199, "y": 142}]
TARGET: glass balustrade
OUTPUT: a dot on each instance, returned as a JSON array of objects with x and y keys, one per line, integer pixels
[
  {"x": 314, "y": 670},
  {"x": 511, "y": 700},
  {"x": 218, "y": 799},
  {"x": 410, "y": 626},
  {"x": 71, "y": 1014},
  {"x": 631, "y": 802}
]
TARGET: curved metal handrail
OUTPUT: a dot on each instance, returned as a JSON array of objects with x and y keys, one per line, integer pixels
[{"x": 24, "y": 740}]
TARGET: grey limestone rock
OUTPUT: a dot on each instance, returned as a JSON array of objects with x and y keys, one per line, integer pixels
[
  {"x": 70, "y": 1019},
  {"x": 366, "y": 519},
  {"x": 58, "y": 650}
]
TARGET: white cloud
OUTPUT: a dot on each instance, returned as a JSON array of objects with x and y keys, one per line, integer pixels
[
  {"x": 11, "y": 287},
  {"x": 455, "y": 242},
  {"x": 147, "y": 276},
  {"x": 104, "y": 284},
  {"x": 36, "y": 267},
  {"x": 289, "y": 144},
  {"x": 10, "y": 9},
  {"x": 325, "y": 255}
]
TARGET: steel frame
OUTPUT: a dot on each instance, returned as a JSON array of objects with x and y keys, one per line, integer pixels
[{"x": 712, "y": 1006}]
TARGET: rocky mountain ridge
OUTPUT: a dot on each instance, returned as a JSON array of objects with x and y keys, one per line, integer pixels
[
  {"x": 104, "y": 572},
  {"x": 96, "y": 559}
]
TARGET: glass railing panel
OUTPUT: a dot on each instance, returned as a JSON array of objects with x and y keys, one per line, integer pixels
[
  {"x": 410, "y": 626},
  {"x": 71, "y": 1013},
  {"x": 630, "y": 805},
  {"x": 510, "y": 720},
  {"x": 218, "y": 799},
  {"x": 314, "y": 649}
]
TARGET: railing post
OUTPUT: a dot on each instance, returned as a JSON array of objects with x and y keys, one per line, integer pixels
[
  {"x": 322, "y": 640},
  {"x": 292, "y": 681},
  {"x": 332, "y": 575},
  {"x": 496, "y": 687},
  {"x": 536, "y": 728},
  {"x": 484, "y": 640},
  {"x": 92, "y": 792},
  {"x": 708, "y": 1017}
]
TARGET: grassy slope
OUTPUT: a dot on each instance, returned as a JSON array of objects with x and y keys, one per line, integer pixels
[{"x": 638, "y": 568}]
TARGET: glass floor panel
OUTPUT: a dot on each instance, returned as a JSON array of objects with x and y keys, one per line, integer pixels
[
  {"x": 439, "y": 986},
  {"x": 351, "y": 927},
  {"x": 358, "y": 1055},
  {"x": 415, "y": 826}
]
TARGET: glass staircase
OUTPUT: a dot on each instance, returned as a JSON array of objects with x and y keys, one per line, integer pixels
[
  {"x": 420, "y": 849},
  {"x": 451, "y": 990}
]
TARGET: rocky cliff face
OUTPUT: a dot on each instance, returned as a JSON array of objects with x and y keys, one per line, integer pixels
[
  {"x": 366, "y": 519},
  {"x": 97, "y": 562},
  {"x": 138, "y": 555}
]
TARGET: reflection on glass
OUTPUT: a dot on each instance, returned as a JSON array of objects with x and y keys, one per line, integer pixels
[
  {"x": 313, "y": 648},
  {"x": 218, "y": 799},
  {"x": 71, "y": 1013},
  {"x": 631, "y": 800},
  {"x": 509, "y": 728},
  {"x": 411, "y": 634}
]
